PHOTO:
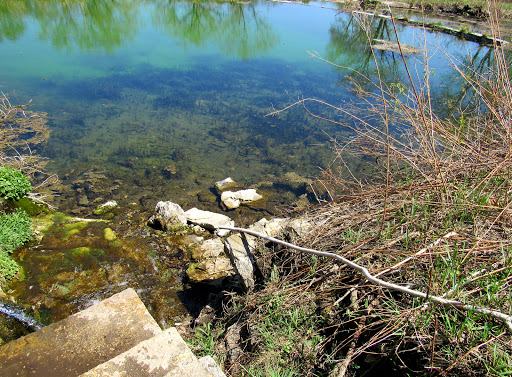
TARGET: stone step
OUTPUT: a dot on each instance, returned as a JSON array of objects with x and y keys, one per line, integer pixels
[
  {"x": 82, "y": 341},
  {"x": 211, "y": 366},
  {"x": 165, "y": 355}
]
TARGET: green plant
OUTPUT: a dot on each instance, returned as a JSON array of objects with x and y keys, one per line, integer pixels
[
  {"x": 15, "y": 230},
  {"x": 13, "y": 183},
  {"x": 8, "y": 267},
  {"x": 204, "y": 339}
]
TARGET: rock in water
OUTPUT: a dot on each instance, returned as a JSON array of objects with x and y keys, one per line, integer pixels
[
  {"x": 234, "y": 199},
  {"x": 168, "y": 216},
  {"x": 105, "y": 207},
  {"x": 225, "y": 184},
  {"x": 210, "y": 263},
  {"x": 209, "y": 220}
]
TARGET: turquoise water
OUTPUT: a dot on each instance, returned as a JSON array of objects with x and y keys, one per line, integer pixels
[{"x": 156, "y": 100}]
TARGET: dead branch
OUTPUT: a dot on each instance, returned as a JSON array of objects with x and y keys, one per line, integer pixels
[{"x": 506, "y": 319}]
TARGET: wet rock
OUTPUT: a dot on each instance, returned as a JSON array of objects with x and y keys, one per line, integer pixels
[
  {"x": 209, "y": 220},
  {"x": 234, "y": 199},
  {"x": 210, "y": 263},
  {"x": 168, "y": 216},
  {"x": 105, "y": 207},
  {"x": 225, "y": 184},
  {"x": 111, "y": 237},
  {"x": 295, "y": 182}
]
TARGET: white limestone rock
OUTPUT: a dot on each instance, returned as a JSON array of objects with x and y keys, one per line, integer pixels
[
  {"x": 225, "y": 184},
  {"x": 209, "y": 220},
  {"x": 272, "y": 228},
  {"x": 235, "y": 199},
  {"x": 106, "y": 207},
  {"x": 242, "y": 260},
  {"x": 168, "y": 216}
]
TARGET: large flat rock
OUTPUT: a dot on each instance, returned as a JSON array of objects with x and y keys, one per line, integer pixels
[
  {"x": 165, "y": 355},
  {"x": 82, "y": 341}
]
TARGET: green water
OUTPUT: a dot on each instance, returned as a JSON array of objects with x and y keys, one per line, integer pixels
[
  {"x": 163, "y": 98},
  {"x": 154, "y": 100}
]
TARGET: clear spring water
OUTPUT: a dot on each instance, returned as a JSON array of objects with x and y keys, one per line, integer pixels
[{"x": 160, "y": 99}]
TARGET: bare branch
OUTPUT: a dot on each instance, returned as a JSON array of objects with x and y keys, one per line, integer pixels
[{"x": 506, "y": 319}]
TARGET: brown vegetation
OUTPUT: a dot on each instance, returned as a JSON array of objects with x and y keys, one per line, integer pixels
[{"x": 436, "y": 217}]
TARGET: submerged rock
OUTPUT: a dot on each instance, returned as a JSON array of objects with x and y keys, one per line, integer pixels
[
  {"x": 105, "y": 207},
  {"x": 209, "y": 220},
  {"x": 381, "y": 44},
  {"x": 295, "y": 182},
  {"x": 225, "y": 184},
  {"x": 235, "y": 199},
  {"x": 168, "y": 216}
]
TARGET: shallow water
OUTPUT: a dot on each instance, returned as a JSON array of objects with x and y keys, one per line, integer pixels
[
  {"x": 165, "y": 98},
  {"x": 157, "y": 100}
]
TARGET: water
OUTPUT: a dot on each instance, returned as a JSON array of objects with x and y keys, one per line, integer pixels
[
  {"x": 154, "y": 100},
  {"x": 165, "y": 98}
]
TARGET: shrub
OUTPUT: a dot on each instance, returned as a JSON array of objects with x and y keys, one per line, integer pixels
[
  {"x": 15, "y": 230},
  {"x": 13, "y": 183},
  {"x": 8, "y": 267}
]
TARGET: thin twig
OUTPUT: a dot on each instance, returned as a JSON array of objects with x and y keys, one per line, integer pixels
[{"x": 422, "y": 251}]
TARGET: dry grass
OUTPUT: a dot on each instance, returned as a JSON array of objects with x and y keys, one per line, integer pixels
[
  {"x": 436, "y": 217},
  {"x": 22, "y": 134}
]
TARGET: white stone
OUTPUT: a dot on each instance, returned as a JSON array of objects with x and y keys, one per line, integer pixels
[
  {"x": 234, "y": 199},
  {"x": 209, "y": 220},
  {"x": 300, "y": 227},
  {"x": 240, "y": 255},
  {"x": 225, "y": 183},
  {"x": 105, "y": 207},
  {"x": 109, "y": 204},
  {"x": 168, "y": 215}
]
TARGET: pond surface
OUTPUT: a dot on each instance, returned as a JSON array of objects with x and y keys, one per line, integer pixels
[
  {"x": 154, "y": 100},
  {"x": 160, "y": 99}
]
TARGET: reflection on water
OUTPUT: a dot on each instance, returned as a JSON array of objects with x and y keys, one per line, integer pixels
[
  {"x": 238, "y": 29},
  {"x": 162, "y": 98}
]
